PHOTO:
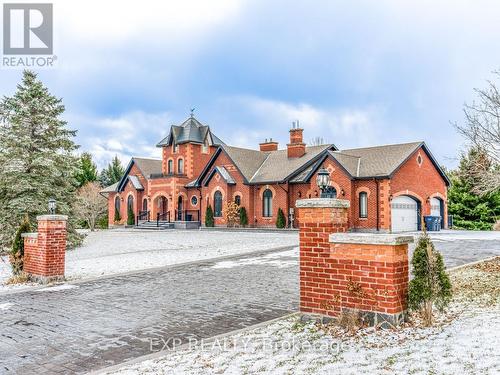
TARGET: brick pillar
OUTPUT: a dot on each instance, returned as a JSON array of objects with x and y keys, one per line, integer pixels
[
  {"x": 44, "y": 251},
  {"x": 318, "y": 218},
  {"x": 342, "y": 272}
]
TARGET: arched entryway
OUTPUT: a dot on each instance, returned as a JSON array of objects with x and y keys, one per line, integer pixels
[
  {"x": 160, "y": 208},
  {"x": 437, "y": 209},
  {"x": 180, "y": 208},
  {"x": 405, "y": 214}
]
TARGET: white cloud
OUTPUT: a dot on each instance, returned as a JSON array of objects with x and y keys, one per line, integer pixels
[
  {"x": 127, "y": 135},
  {"x": 345, "y": 127}
]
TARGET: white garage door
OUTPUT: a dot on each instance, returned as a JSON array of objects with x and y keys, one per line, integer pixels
[{"x": 403, "y": 214}]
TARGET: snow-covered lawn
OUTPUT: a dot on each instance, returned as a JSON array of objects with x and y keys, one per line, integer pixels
[
  {"x": 117, "y": 251},
  {"x": 464, "y": 341}
]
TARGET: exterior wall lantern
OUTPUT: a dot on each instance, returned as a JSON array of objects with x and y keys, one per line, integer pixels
[
  {"x": 323, "y": 180},
  {"x": 52, "y": 206}
]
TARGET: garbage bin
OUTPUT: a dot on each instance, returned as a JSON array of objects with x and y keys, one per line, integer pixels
[{"x": 432, "y": 223}]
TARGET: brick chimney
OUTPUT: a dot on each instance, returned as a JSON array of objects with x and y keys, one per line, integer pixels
[
  {"x": 268, "y": 145},
  {"x": 296, "y": 148}
]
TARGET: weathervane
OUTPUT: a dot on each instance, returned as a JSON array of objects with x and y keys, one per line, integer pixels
[{"x": 192, "y": 111}]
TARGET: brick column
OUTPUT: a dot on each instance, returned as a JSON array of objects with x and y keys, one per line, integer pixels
[
  {"x": 44, "y": 251},
  {"x": 318, "y": 218},
  {"x": 341, "y": 272}
]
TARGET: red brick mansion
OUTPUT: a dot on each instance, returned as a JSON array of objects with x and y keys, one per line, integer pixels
[{"x": 389, "y": 187}]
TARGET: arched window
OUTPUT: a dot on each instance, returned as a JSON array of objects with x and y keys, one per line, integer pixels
[
  {"x": 237, "y": 200},
  {"x": 170, "y": 166},
  {"x": 130, "y": 203},
  {"x": 117, "y": 205},
  {"x": 363, "y": 204},
  {"x": 267, "y": 203},
  {"x": 180, "y": 166},
  {"x": 218, "y": 204}
]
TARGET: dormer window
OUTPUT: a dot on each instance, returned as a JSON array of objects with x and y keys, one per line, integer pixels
[
  {"x": 204, "y": 147},
  {"x": 176, "y": 148}
]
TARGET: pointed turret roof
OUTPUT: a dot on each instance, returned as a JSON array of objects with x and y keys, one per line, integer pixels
[{"x": 190, "y": 131}]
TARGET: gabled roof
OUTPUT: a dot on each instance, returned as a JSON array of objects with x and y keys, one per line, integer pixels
[
  {"x": 260, "y": 167},
  {"x": 224, "y": 174},
  {"x": 147, "y": 167},
  {"x": 190, "y": 131},
  {"x": 375, "y": 161},
  {"x": 371, "y": 162}
]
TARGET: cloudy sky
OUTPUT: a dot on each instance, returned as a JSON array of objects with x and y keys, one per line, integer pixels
[{"x": 356, "y": 73}]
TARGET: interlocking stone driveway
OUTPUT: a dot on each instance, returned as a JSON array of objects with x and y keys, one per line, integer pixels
[
  {"x": 94, "y": 324},
  {"x": 103, "y": 322}
]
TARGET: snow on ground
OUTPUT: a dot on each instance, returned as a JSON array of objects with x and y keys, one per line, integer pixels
[
  {"x": 117, "y": 251},
  {"x": 463, "y": 235},
  {"x": 274, "y": 259},
  {"x": 465, "y": 341}
]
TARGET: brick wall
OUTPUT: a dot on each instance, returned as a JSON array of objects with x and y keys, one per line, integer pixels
[
  {"x": 340, "y": 271},
  {"x": 44, "y": 251}
]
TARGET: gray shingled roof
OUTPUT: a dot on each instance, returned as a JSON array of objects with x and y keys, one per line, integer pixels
[
  {"x": 190, "y": 130},
  {"x": 278, "y": 166},
  {"x": 375, "y": 161},
  {"x": 246, "y": 160},
  {"x": 110, "y": 188},
  {"x": 148, "y": 166},
  {"x": 135, "y": 182}
]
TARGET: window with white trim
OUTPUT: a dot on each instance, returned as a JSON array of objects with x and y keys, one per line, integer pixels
[
  {"x": 267, "y": 203},
  {"x": 363, "y": 205}
]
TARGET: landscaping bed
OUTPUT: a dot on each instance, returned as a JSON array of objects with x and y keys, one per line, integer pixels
[{"x": 464, "y": 339}]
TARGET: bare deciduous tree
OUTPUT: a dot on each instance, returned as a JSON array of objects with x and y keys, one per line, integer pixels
[
  {"x": 482, "y": 130},
  {"x": 317, "y": 141},
  {"x": 90, "y": 204}
]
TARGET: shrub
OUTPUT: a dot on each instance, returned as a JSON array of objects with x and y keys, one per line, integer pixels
[
  {"x": 117, "y": 217},
  {"x": 281, "y": 220},
  {"x": 430, "y": 284},
  {"x": 209, "y": 217},
  {"x": 231, "y": 213},
  {"x": 130, "y": 216},
  {"x": 16, "y": 255},
  {"x": 102, "y": 222},
  {"x": 243, "y": 217}
]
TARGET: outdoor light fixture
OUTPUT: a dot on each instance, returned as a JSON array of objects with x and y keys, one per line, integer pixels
[
  {"x": 52, "y": 206},
  {"x": 323, "y": 180},
  {"x": 342, "y": 192}
]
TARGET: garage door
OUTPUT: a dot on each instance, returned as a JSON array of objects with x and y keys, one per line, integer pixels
[{"x": 403, "y": 214}]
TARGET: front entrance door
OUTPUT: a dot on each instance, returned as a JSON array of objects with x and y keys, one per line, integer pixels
[{"x": 179, "y": 208}]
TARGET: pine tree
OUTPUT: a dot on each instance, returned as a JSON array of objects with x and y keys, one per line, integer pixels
[
  {"x": 112, "y": 173},
  {"x": 469, "y": 209},
  {"x": 117, "y": 217},
  {"x": 243, "y": 217},
  {"x": 430, "y": 284},
  {"x": 87, "y": 170},
  {"x": 209, "y": 217},
  {"x": 130, "y": 216},
  {"x": 36, "y": 158},
  {"x": 16, "y": 256},
  {"x": 281, "y": 220}
]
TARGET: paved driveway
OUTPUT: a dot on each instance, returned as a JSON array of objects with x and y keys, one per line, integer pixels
[
  {"x": 90, "y": 325},
  {"x": 86, "y": 326}
]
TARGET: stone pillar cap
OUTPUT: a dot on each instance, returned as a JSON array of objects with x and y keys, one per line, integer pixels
[
  {"x": 371, "y": 238},
  {"x": 29, "y": 235},
  {"x": 322, "y": 203},
  {"x": 52, "y": 218}
]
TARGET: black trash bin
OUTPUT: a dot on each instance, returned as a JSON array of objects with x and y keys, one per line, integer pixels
[{"x": 432, "y": 223}]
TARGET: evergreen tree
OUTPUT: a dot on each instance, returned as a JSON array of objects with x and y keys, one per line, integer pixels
[
  {"x": 469, "y": 209},
  {"x": 209, "y": 217},
  {"x": 130, "y": 216},
  {"x": 430, "y": 284},
  {"x": 36, "y": 158},
  {"x": 117, "y": 217},
  {"x": 243, "y": 217},
  {"x": 112, "y": 173},
  {"x": 281, "y": 220},
  {"x": 87, "y": 170},
  {"x": 16, "y": 256}
]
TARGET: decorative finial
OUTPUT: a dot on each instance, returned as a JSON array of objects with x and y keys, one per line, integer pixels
[{"x": 192, "y": 112}]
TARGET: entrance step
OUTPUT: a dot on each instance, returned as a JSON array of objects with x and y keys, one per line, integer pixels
[{"x": 153, "y": 225}]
